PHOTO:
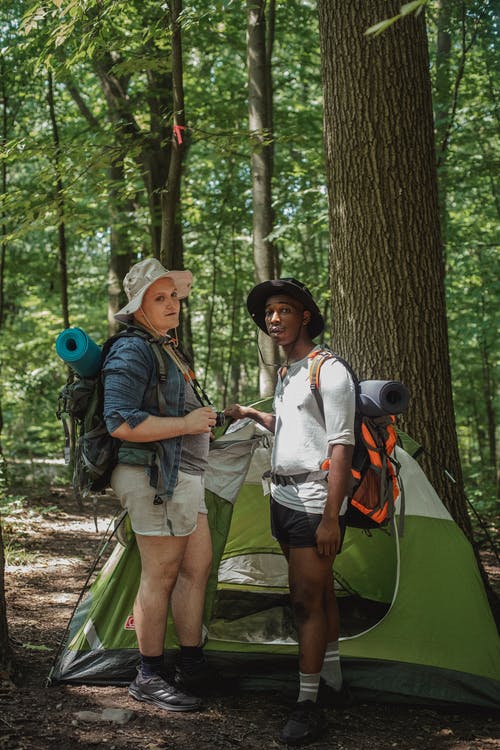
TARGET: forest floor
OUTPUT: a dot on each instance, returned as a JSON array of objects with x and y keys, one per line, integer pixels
[{"x": 50, "y": 545}]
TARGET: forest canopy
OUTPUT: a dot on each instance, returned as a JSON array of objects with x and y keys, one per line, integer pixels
[{"x": 88, "y": 107}]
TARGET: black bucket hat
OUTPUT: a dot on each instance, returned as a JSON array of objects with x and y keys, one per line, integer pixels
[{"x": 256, "y": 302}]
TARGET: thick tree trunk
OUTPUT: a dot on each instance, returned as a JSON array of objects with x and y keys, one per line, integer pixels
[
  {"x": 387, "y": 270},
  {"x": 261, "y": 161}
]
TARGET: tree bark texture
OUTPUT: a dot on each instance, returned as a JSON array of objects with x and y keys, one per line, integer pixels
[
  {"x": 261, "y": 164},
  {"x": 442, "y": 103},
  {"x": 172, "y": 244},
  {"x": 5, "y": 650},
  {"x": 61, "y": 225},
  {"x": 121, "y": 253},
  {"x": 172, "y": 186},
  {"x": 387, "y": 270},
  {"x": 3, "y": 249},
  {"x": 4, "y": 634}
]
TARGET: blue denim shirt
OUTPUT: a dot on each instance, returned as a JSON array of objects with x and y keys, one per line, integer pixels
[{"x": 130, "y": 395}]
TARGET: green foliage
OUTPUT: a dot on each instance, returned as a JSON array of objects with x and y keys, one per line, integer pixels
[
  {"x": 15, "y": 553},
  {"x": 467, "y": 177},
  {"x": 14, "y": 510}
]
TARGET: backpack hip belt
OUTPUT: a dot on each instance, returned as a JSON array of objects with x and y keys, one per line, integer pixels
[
  {"x": 138, "y": 454},
  {"x": 293, "y": 479}
]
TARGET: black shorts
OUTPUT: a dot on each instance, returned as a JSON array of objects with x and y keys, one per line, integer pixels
[{"x": 294, "y": 528}]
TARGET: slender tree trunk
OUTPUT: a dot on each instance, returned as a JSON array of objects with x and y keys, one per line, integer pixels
[
  {"x": 3, "y": 249},
  {"x": 231, "y": 381},
  {"x": 442, "y": 102},
  {"x": 259, "y": 54},
  {"x": 477, "y": 442},
  {"x": 121, "y": 253},
  {"x": 61, "y": 226},
  {"x": 169, "y": 251},
  {"x": 172, "y": 244},
  {"x": 5, "y": 650},
  {"x": 387, "y": 270},
  {"x": 489, "y": 401},
  {"x": 157, "y": 148}
]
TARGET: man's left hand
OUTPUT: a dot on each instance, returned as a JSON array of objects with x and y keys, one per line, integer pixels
[{"x": 328, "y": 538}]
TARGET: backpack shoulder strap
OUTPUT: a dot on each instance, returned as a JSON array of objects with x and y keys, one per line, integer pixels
[
  {"x": 161, "y": 369},
  {"x": 317, "y": 360},
  {"x": 158, "y": 356}
]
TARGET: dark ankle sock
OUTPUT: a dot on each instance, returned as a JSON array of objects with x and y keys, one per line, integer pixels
[
  {"x": 190, "y": 656},
  {"x": 151, "y": 665}
]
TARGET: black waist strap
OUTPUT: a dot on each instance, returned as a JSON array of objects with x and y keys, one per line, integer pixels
[{"x": 284, "y": 479}]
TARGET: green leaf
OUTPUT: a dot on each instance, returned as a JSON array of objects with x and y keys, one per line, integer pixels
[
  {"x": 415, "y": 5},
  {"x": 381, "y": 26}
]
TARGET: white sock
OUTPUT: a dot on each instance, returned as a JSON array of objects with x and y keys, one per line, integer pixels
[
  {"x": 331, "y": 671},
  {"x": 309, "y": 685}
]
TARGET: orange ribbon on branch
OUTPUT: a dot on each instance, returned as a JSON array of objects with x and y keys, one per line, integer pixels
[{"x": 178, "y": 132}]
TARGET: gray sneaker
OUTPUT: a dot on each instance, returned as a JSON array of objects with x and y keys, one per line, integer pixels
[{"x": 160, "y": 693}]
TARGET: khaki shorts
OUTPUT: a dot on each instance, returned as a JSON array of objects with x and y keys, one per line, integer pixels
[{"x": 176, "y": 516}]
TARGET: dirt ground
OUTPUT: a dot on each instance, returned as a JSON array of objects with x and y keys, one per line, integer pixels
[{"x": 51, "y": 544}]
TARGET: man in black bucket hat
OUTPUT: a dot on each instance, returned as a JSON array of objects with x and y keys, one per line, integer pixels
[
  {"x": 256, "y": 302},
  {"x": 306, "y": 503}
]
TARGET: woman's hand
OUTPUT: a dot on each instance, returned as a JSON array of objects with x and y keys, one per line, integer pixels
[{"x": 199, "y": 420}]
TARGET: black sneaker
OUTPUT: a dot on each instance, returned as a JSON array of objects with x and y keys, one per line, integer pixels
[
  {"x": 159, "y": 692},
  {"x": 305, "y": 724}
]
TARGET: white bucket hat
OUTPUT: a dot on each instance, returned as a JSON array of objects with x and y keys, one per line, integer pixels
[{"x": 139, "y": 279}]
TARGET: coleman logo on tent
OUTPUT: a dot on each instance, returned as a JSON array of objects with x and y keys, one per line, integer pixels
[{"x": 129, "y": 623}]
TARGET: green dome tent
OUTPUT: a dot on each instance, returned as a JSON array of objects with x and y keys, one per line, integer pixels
[{"x": 415, "y": 621}]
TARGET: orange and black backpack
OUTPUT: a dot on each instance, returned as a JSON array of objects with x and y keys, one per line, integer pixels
[{"x": 376, "y": 484}]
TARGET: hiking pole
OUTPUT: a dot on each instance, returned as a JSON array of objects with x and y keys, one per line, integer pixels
[{"x": 119, "y": 517}]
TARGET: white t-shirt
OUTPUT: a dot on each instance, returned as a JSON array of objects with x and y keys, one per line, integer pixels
[{"x": 302, "y": 435}]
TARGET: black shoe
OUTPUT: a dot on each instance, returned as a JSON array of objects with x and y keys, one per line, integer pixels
[
  {"x": 198, "y": 678},
  {"x": 305, "y": 724},
  {"x": 331, "y": 698},
  {"x": 160, "y": 693}
]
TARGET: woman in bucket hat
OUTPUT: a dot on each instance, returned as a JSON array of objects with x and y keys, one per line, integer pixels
[
  {"x": 306, "y": 506},
  {"x": 159, "y": 479}
]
